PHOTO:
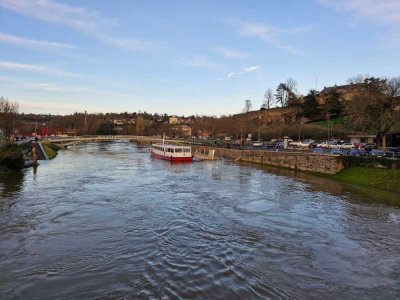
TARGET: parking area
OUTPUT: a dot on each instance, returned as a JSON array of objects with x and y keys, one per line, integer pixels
[{"x": 307, "y": 146}]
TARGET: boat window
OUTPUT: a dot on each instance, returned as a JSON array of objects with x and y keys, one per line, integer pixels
[
  {"x": 178, "y": 150},
  {"x": 187, "y": 150}
]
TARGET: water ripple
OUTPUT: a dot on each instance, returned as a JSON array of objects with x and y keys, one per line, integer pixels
[{"x": 103, "y": 220}]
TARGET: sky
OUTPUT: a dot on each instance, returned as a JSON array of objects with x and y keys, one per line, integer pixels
[{"x": 187, "y": 57}]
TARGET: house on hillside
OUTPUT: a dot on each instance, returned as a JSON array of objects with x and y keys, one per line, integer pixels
[
  {"x": 173, "y": 120},
  {"x": 346, "y": 92},
  {"x": 182, "y": 131}
]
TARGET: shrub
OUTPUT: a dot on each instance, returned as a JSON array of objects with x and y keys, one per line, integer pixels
[{"x": 11, "y": 157}]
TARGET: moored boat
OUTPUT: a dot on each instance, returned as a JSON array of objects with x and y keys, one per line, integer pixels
[{"x": 172, "y": 153}]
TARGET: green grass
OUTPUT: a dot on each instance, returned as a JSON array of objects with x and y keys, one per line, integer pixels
[
  {"x": 50, "y": 149},
  {"x": 339, "y": 121},
  {"x": 386, "y": 179},
  {"x": 396, "y": 127}
]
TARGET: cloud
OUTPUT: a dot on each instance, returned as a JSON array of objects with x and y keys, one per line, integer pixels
[
  {"x": 50, "y": 87},
  {"x": 384, "y": 11},
  {"x": 231, "y": 74},
  {"x": 42, "y": 69},
  {"x": 80, "y": 19},
  {"x": 271, "y": 35},
  {"x": 200, "y": 62},
  {"x": 231, "y": 54},
  {"x": 251, "y": 69},
  {"x": 5, "y": 78},
  {"x": 50, "y": 106},
  {"x": 33, "y": 44},
  {"x": 245, "y": 70}
]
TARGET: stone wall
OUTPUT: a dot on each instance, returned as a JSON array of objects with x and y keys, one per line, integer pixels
[{"x": 319, "y": 163}]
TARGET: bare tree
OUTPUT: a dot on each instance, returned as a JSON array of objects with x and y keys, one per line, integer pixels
[
  {"x": 269, "y": 99},
  {"x": 247, "y": 105},
  {"x": 375, "y": 106},
  {"x": 282, "y": 95},
  {"x": 392, "y": 87},
  {"x": 360, "y": 78},
  {"x": 291, "y": 86},
  {"x": 8, "y": 116}
]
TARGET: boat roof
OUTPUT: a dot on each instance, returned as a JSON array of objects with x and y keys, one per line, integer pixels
[{"x": 170, "y": 146}]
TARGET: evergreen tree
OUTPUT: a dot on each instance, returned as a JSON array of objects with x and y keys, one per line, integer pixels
[{"x": 310, "y": 104}]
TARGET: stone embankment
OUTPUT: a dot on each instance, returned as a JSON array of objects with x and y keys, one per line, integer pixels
[
  {"x": 304, "y": 161},
  {"x": 309, "y": 162}
]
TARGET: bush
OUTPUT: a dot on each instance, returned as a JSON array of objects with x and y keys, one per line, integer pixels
[{"x": 12, "y": 157}]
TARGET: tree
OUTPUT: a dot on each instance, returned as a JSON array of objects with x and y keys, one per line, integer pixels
[
  {"x": 310, "y": 104},
  {"x": 392, "y": 87},
  {"x": 360, "y": 78},
  {"x": 269, "y": 99},
  {"x": 333, "y": 105},
  {"x": 8, "y": 116},
  {"x": 375, "y": 106},
  {"x": 282, "y": 94},
  {"x": 247, "y": 105},
  {"x": 291, "y": 87}
]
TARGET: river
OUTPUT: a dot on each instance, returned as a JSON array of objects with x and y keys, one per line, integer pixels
[{"x": 104, "y": 220}]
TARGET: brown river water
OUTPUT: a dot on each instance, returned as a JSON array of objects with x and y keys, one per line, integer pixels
[{"x": 104, "y": 220}]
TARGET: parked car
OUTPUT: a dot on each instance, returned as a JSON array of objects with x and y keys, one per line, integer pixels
[
  {"x": 324, "y": 145},
  {"x": 345, "y": 151},
  {"x": 318, "y": 150},
  {"x": 257, "y": 144},
  {"x": 347, "y": 145},
  {"x": 335, "y": 145},
  {"x": 377, "y": 152},
  {"x": 357, "y": 152},
  {"x": 308, "y": 143},
  {"x": 269, "y": 144},
  {"x": 392, "y": 152},
  {"x": 295, "y": 143},
  {"x": 368, "y": 146},
  {"x": 336, "y": 151}
]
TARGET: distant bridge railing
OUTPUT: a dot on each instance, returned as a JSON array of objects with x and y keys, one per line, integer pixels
[{"x": 98, "y": 138}]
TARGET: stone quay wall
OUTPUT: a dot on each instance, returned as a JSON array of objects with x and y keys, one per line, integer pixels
[{"x": 309, "y": 162}]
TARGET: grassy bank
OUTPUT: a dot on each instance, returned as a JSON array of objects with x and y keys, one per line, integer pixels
[
  {"x": 378, "y": 178},
  {"x": 51, "y": 149}
]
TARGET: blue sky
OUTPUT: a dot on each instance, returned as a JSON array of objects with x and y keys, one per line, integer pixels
[{"x": 188, "y": 57}]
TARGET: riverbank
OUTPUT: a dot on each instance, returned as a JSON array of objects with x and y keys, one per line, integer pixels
[
  {"x": 51, "y": 149},
  {"x": 14, "y": 157},
  {"x": 386, "y": 179},
  {"x": 378, "y": 173},
  {"x": 11, "y": 157}
]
